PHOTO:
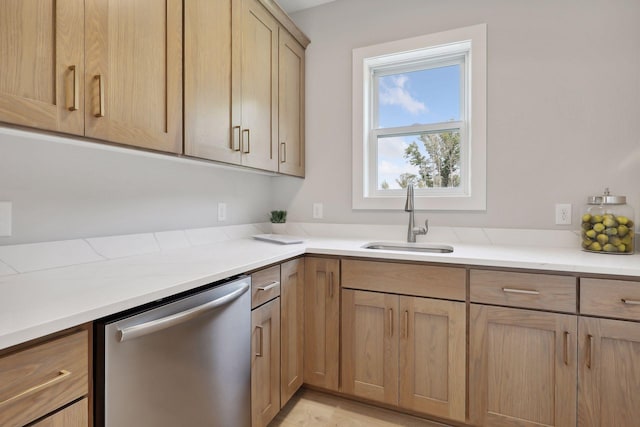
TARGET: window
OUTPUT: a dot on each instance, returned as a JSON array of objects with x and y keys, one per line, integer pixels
[{"x": 420, "y": 118}]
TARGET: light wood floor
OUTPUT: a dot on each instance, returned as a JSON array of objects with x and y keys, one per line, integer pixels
[{"x": 310, "y": 408}]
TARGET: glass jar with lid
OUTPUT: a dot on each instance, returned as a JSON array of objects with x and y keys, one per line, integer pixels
[{"x": 607, "y": 225}]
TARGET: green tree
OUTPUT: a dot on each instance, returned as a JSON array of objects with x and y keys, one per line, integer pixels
[
  {"x": 405, "y": 179},
  {"x": 384, "y": 185},
  {"x": 442, "y": 160}
]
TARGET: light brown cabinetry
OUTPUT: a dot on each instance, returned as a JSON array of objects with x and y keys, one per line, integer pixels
[
  {"x": 291, "y": 328},
  {"x": 76, "y": 415},
  {"x": 322, "y": 322},
  {"x": 42, "y": 66},
  {"x": 522, "y": 367},
  {"x": 291, "y": 70},
  {"x": 105, "y": 69},
  {"x": 236, "y": 56},
  {"x": 404, "y": 350},
  {"x": 44, "y": 377}
]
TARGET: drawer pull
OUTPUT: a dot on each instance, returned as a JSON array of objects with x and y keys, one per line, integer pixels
[
  {"x": 269, "y": 286},
  {"x": 61, "y": 376},
  {"x": 630, "y": 301},
  {"x": 520, "y": 291},
  {"x": 589, "y": 351}
]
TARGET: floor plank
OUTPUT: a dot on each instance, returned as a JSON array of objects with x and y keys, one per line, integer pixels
[{"x": 310, "y": 408}]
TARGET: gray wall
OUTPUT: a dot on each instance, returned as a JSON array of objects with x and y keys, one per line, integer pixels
[
  {"x": 563, "y": 103},
  {"x": 62, "y": 190}
]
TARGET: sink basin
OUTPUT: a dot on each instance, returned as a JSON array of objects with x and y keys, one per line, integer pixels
[{"x": 409, "y": 247}]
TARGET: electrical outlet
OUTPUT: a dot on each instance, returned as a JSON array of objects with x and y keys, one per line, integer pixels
[
  {"x": 563, "y": 213},
  {"x": 317, "y": 211},
  {"x": 222, "y": 211},
  {"x": 5, "y": 219}
]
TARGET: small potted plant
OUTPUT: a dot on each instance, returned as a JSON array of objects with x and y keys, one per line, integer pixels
[{"x": 278, "y": 222}]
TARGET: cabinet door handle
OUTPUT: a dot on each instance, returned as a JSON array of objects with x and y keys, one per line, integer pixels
[
  {"x": 235, "y": 142},
  {"x": 248, "y": 144},
  {"x": 269, "y": 286},
  {"x": 100, "y": 112},
  {"x": 630, "y": 301},
  {"x": 283, "y": 152},
  {"x": 61, "y": 376},
  {"x": 565, "y": 346},
  {"x": 261, "y": 329},
  {"x": 75, "y": 92},
  {"x": 520, "y": 291},
  {"x": 589, "y": 351},
  {"x": 390, "y": 322},
  {"x": 331, "y": 284},
  {"x": 406, "y": 323}
]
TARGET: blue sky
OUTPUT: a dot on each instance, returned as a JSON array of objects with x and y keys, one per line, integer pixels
[{"x": 419, "y": 97}]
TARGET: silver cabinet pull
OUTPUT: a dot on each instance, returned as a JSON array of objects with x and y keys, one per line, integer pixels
[
  {"x": 331, "y": 284},
  {"x": 406, "y": 323},
  {"x": 630, "y": 301},
  {"x": 520, "y": 291},
  {"x": 566, "y": 347},
  {"x": 175, "y": 319},
  {"x": 246, "y": 148},
  {"x": 75, "y": 91},
  {"x": 283, "y": 152},
  {"x": 261, "y": 329},
  {"x": 100, "y": 112},
  {"x": 390, "y": 322},
  {"x": 269, "y": 286}
]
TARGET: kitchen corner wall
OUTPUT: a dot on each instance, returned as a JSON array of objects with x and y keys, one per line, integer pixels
[
  {"x": 563, "y": 104},
  {"x": 62, "y": 189}
]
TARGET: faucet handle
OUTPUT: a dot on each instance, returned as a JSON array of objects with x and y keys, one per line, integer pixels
[{"x": 426, "y": 226}]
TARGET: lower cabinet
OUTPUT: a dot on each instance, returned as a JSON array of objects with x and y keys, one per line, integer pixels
[
  {"x": 291, "y": 328},
  {"x": 322, "y": 322},
  {"x": 405, "y": 351},
  {"x": 76, "y": 415},
  {"x": 265, "y": 363},
  {"x": 609, "y": 373},
  {"x": 522, "y": 367}
]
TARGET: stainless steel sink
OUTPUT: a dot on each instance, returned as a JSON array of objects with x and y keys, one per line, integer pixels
[{"x": 409, "y": 247}]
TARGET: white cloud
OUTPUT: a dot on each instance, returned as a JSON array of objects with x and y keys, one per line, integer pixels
[
  {"x": 392, "y": 147},
  {"x": 397, "y": 94}
]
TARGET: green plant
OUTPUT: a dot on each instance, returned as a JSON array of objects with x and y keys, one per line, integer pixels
[{"x": 278, "y": 217}]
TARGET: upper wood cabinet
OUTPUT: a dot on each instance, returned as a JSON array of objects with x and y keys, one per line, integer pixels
[
  {"x": 322, "y": 322},
  {"x": 291, "y": 105},
  {"x": 42, "y": 66},
  {"x": 237, "y": 54},
  {"x": 133, "y": 76}
]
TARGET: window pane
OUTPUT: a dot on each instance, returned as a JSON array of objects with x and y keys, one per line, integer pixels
[
  {"x": 419, "y": 97},
  {"x": 428, "y": 160}
]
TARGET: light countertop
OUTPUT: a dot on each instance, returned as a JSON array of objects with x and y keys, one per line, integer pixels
[{"x": 116, "y": 274}]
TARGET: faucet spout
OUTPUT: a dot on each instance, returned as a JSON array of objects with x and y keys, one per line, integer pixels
[{"x": 412, "y": 230}]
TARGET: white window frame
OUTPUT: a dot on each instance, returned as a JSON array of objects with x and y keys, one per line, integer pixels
[{"x": 467, "y": 44}]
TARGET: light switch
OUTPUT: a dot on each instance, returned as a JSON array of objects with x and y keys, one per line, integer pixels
[{"x": 5, "y": 219}]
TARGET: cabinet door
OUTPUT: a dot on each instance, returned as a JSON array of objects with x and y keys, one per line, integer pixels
[
  {"x": 265, "y": 363},
  {"x": 322, "y": 322},
  {"x": 433, "y": 357},
  {"x": 609, "y": 373},
  {"x": 133, "y": 79},
  {"x": 291, "y": 105},
  {"x": 76, "y": 415},
  {"x": 370, "y": 345},
  {"x": 291, "y": 328},
  {"x": 255, "y": 90},
  {"x": 207, "y": 80},
  {"x": 42, "y": 66},
  {"x": 522, "y": 367}
]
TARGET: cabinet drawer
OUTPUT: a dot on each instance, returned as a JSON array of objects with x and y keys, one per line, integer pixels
[
  {"x": 40, "y": 379},
  {"x": 527, "y": 290},
  {"x": 610, "y": 298},
  {"x": 406, "y": 279},
  {"x": 265, "y": 285}
]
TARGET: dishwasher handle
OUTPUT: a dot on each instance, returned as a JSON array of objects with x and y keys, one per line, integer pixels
[{"x": 166, "y": 322}]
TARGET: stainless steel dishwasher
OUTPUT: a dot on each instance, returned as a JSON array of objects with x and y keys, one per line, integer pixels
[{"x": 183, "y": 362}]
